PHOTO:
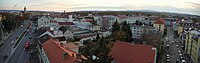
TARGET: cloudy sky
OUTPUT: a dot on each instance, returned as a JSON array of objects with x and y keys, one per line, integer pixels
[{"x": 180, "y": 6}]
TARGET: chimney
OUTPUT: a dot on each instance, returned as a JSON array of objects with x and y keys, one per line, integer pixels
[
  {"x": 61, "y": 44},
  {"x": 65, "y": 55}
]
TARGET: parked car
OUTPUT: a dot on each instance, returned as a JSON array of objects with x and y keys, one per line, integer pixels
[{"x": 12, "y": 42}]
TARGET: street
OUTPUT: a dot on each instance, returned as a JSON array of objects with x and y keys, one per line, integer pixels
[
  {"x": 17, "y": 55},
  {"x": 173, "y": 48}
]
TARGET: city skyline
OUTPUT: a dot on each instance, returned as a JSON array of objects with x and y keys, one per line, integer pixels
[{"x": 178, "y": 6}]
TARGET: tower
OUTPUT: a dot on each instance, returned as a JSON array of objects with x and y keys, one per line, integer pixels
[{"x": 25, "y": 9}]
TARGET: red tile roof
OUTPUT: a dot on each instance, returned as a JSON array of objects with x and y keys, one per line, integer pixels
[
  {"x": 65, "y": 23},
  {"x": 160, "y": 21},
  {"x": 54, "y": 52},
  {"x": 124, "y": 52},
  {"x": 70, "y": 45}
]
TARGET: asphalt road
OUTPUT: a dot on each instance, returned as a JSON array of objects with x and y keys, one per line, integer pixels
[
  {"x": 173, "y": 49},
  {"x": 19, "y": 55}
]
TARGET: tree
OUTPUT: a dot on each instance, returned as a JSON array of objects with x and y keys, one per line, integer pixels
[
  {"x": 126, "y": 28},
  {"x": 98, "y": 49},
  {"x": 120, "y": 35},
  {"x": 115, "y": 27}
]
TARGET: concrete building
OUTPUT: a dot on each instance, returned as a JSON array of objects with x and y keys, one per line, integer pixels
[
  {"x": 138, "y": 30},
  {"x": 192, "y": 46},
  {"x": 108, "y": 21}
]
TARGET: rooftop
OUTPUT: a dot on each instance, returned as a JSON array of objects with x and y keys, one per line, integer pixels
[
  {"x": 160, "y": 21},
  {"x": 55, "y": 52},
  {"x": 65, "y": 23},
  {"x": 124, "y": 52}
]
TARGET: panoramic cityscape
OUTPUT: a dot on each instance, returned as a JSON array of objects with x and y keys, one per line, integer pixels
[{"x": 99, "y": 31}]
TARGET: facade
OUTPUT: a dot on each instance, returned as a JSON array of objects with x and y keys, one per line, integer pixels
[
  {"x": 45, "y": 22},
  {"x": 108, "y": 21},
  {"x": 138, "y": 30},
  {"x": 159, "y": 25},
  {"x": 192, "y": 46},
  {"x": 1, "y": 28}
]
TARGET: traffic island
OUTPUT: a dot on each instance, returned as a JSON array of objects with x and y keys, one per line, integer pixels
[{"x": 19, "y": 39}]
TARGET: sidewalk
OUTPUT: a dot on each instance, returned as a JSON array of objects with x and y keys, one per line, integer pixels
[{"x": 5, "y": 38}]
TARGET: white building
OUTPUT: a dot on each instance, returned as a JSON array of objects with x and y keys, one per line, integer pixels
[
  {"x": 45, "y": 22},
  {"x": 138, "y": 30}
]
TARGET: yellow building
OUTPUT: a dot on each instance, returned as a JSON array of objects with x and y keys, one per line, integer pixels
[
  {"x": 159, "y": 25},
  {"x": 192, "y": 46},
  {"x": 180, "y": 29}
]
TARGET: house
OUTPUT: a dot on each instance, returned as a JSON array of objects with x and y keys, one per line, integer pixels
[
  {"x": 56, "y": 52},
  {"x": 45, "y": 22},
  {"x": 68, "y": 34},
  {"x": 159, "y": 24},
  {"x": 192, "y": 45},
  {"x": 69, "y": 25},
  {"x": 83, "y": 25},
  {"x": 124, "y": 52}
]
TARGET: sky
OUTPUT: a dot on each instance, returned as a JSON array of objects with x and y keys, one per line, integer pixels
[{"x": 178, "y": 6}]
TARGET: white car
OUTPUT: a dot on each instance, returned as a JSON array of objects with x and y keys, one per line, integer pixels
[{"x": 12, "y": 42}]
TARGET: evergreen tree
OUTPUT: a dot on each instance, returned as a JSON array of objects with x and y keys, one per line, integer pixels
[{"x": 115, "y": 27}]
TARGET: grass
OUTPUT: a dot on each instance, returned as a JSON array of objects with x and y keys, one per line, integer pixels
[
  {"x": 1, "y": 45},
  {"x": 19, "y": 39}
]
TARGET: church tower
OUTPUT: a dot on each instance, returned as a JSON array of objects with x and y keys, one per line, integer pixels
[{"x": 25, "y": 9}]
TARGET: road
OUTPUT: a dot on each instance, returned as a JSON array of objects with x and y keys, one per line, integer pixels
[
  {"x": 173, "y": 49},
  {"x": 19, "y": 55}
]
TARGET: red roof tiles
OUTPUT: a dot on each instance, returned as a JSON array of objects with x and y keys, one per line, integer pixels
[
  {"x": 124, "y": 52},
  {"x": 160, "y": 21},
  {"x": 65, "y": 23},
  {"x": 54, "y": 52}
]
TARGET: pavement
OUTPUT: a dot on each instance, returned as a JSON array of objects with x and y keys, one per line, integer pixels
[{"x": 18, "y": 54}]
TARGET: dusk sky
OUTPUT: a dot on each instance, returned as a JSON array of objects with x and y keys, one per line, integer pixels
[{"x": 180, "y": 6}]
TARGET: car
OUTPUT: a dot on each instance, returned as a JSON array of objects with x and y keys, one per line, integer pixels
[
  {"x": 181, "y": 58},
  {"x": 180, "y": 54},
  {"x": 30, "y": 37},
  {"x": 179, "y": 51},
  {"x": 167, "y": 55},
  {"x": 16, "y": 37},
  {"x": 177, "y": 45},
  {"x": 12, "y": 42},
  {"x": 177, "y": 61},
  {"x": 167, "y": 60},
  {"x": 167, "y": 45},
  {"x": 183, "y": 61}
]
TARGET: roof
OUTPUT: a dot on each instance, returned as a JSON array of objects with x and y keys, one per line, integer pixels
[
  {"x": 54, "y": 52},
  {"x": 70, "y": 45},
  {"x": 123, "y": 52},
  {"x": 160, "y": 21},
  {"x": 65, "y": 23}
]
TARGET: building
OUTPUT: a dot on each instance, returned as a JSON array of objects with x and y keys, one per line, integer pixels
[
  {"x": 1, "y": 28},
  {"x": 159, "y": 25},
  {"x": 56, "y": 52},
  {"x": 124, "y": 52},
  {"x": 45, "y": 22},
  {"x": 192, "y": 46},
  {"x": 108, "y": 21},
  {"x": 138, "y": 30}
]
